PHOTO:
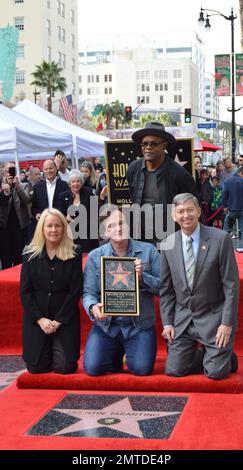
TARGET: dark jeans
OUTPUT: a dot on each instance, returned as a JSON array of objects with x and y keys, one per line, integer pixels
[
  {"x": 52, "y": 358},
  {"x": 105, "y": 354}
]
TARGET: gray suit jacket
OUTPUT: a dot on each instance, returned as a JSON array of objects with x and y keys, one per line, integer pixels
[{"x": 213, "y": 298}]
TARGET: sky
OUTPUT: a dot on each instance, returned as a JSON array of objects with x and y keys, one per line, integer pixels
[{"x": 138, "y": 16}]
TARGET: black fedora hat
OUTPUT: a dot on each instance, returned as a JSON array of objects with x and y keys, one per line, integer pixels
[{"x": 154, "y": 128}]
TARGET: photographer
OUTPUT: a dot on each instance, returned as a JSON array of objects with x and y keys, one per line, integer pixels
[{"x": 14, "y": 217}]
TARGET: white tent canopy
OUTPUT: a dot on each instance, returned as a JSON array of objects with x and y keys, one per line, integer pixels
[
  {"x": 7, "y": 137},
  {"x": 86, "y": 143},
  {"x": 21, "y": 138}
]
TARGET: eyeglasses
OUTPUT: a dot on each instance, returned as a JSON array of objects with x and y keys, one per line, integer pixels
[{"x": 152, "y": 144}]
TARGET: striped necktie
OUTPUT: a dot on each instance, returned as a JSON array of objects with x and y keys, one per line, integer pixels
[{"x": 189, "y": 261}]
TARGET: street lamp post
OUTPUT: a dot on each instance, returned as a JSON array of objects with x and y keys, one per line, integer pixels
[{"x": 206, "y": 22}]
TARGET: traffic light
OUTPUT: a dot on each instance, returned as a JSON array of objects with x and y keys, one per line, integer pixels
[
  {"x": 188, "y": 115},
  {"x": 128, "y": 113}
]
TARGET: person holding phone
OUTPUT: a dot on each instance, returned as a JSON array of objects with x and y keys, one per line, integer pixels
[{"x": 14, "y": 217}]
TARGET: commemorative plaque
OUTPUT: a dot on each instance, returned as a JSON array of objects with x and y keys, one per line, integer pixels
[{"x": 119, "y": 286}]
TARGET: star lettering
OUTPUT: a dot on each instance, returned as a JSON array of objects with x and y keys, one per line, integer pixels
[{"x": 119, "y": 416}]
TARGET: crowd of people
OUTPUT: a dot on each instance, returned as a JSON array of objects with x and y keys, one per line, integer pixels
[{"x": 46, "y": 217}]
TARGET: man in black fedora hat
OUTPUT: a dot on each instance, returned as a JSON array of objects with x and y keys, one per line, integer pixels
[{"x": 156, "y": 178}]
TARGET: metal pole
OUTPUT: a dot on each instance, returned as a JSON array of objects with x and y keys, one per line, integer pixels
[{"x": 233, "y": 141}]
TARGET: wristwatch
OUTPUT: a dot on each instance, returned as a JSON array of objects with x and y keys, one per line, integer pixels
[{"x": 91, "y": 309}]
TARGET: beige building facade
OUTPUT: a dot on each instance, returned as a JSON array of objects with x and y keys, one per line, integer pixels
[{"x": 48, "y": 31}]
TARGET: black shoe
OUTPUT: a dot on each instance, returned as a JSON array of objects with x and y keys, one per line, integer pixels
[{"x": 234, "y": 362}]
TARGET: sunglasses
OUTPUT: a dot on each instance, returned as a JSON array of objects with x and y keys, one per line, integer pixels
[{"x": 152, "y": 144}]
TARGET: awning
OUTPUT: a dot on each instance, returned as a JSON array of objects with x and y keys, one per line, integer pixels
[{"x": 206, "y": 146}]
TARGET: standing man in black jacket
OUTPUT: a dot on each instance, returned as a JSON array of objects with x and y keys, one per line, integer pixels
[
  {"x": 156, "y": 178},
  {"x": 46, "y": 193}
]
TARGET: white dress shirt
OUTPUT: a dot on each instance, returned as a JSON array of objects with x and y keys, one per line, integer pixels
[{"x": 50, "y": 187}]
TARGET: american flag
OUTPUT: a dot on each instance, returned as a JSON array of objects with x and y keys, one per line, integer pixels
[{"x": 66, "y": 108}]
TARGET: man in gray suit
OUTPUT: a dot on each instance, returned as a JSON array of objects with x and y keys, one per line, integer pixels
[{"x": 198, "y": 296}]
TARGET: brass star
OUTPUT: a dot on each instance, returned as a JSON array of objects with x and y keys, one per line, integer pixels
[{"x": 120, "y": 275}]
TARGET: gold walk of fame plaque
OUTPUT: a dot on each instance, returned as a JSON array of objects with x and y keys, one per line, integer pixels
[{"x": 119, "y": 286}]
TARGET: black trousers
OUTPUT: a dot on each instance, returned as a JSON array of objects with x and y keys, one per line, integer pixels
[{"x": 52, "y": 358}]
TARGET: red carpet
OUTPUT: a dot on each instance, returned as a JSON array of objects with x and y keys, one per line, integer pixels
[
  {"x": 209, "y": 421},
  {"x": 11, "y": 343},
  {"x": 157, "y": 382}
]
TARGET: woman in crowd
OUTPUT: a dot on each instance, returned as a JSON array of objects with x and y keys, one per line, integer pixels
[
  {"x": 90, "y": 177},
  {"x": 79, "y": 195},
  {"x": 51, "y": 287}
]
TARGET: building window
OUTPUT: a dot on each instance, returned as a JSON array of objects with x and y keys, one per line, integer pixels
[
  {"x": 59, "y": 29},
  {"x": 20, "y": 77},
  {"x": 20, "y": 51},
  {"x": 73, "y": 40},
  {"x": 161, "y": 99},
  {"x": 177, "y": 86},
  {"x": 97, "y": 78},
  {"x": 48, "y": 26},
  {"x": 80, "y": 91},
  {"x": 80, "y": 78},
  {"x": 48, "y": 3},
  {"x": 18, "y": 1},
  {"x": 143, "y": 87},
  {"x": 73, "y": 65},
  {"x": 63, "y": 10},
  {"x": 88, "y": 91},
  {"x": 60, "y": 58},
  {"x": 73, "y": 89},
  {"x": 147, "y": 99},
  {"x": 161, "y": 87},
  {"x": 19, "y": 22},
  {"x": 177, "y": 73},
  {"x": 110, "y": 78},
  {"x": 58, "y": 7},
  {"x": 63, "y": 61},
  {"x": 177, "y": 98},
  {"x": 165, "y": 86},
  {"x": 138, "y": 77},
  {"x": 72, "y": 16},
  {"x": 110, "y": 91},
  {"x": 161, "y": 74},
  {"x": 63, "y": 35},
  {"x": 156, "y": 87}
]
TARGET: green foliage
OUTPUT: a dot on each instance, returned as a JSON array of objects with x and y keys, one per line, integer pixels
[
  {"x": 48, "y": 76},
  {"x": 110, "y": 112}
]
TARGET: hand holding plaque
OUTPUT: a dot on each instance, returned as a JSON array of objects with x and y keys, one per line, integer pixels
[{"x": 119, "y": 286}]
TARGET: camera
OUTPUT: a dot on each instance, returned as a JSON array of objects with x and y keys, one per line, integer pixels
[{"x": 12, "y": 171}]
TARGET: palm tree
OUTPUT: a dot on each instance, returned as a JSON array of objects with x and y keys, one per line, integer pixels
[
  {"x": 47, "y": 76},
  {"x": 114, "y": 110}
]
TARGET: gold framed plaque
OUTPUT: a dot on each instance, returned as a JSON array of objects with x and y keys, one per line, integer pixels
[{"x": 119, "y": 286}]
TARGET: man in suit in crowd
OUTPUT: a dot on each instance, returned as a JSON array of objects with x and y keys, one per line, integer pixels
[
  {"x": 199, "y": 291},
  {"x": 45, "y": 193}
]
